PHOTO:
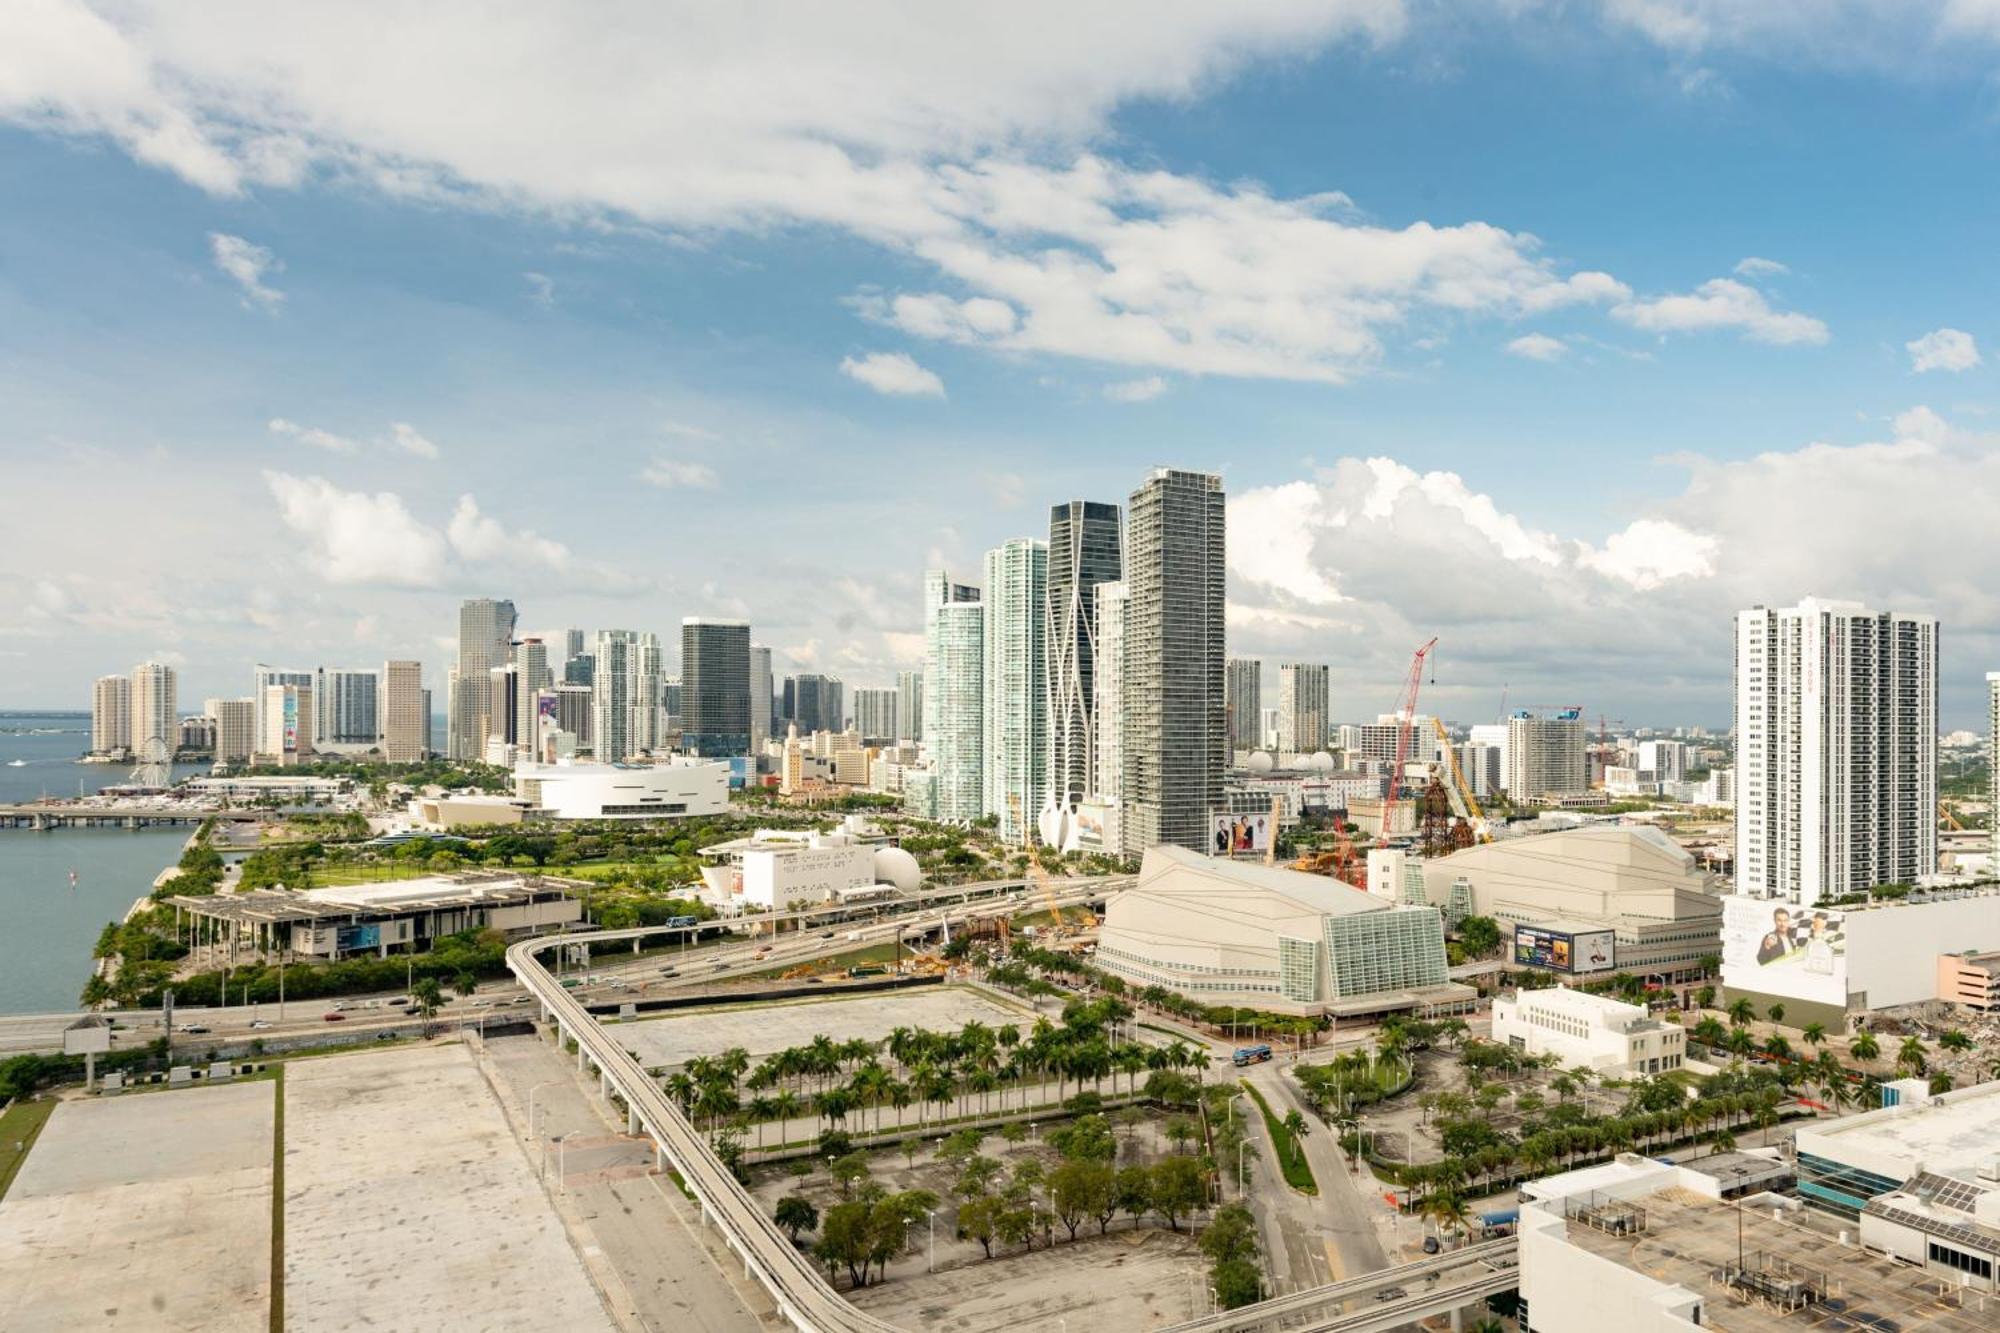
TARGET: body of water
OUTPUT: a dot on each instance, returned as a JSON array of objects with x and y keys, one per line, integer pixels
[{"x": 47, "y": 927}]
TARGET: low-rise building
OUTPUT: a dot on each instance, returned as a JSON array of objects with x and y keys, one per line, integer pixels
[
  {"x": 678, "y": 789},
  {"x": 779, "y": 869},
  {"x": 276, "y": 786},
  {"x": 1970, "y": 978},
  {"x": 1595, "y": 1031},
  {"x": 404, "y": 915},
  {"x": 463, "y": 809},
  {"x": 1845, "y": 1164}
]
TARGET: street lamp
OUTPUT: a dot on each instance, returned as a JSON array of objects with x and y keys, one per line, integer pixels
[
  {"x": 531, "y": 1120},
  {"x": 562, "y": 1162},
  {"x": 930, "y": 1266}
]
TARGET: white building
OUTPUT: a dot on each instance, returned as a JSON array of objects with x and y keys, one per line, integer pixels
[
  {"x": 1304, "y": 701},
  {"x": 1546, "y": 755},
  {"x": 1667, "y": 759},
  {"x": 682, "y": 789},
  {"x": 780, "y": 869},
  {"x": 875, "y": 714},
  {"x": 155, "y": 708},
  {"x": 1836, "y": 734},
  {"x": 285, "y": 715},
  {"x": 347, "y": 710},
  {"x": 111, "y": 715},
  {"x": 1016, "y": 685},
  {"x": 1595, "y": 1031},
  {"x": 955, "y": 695},
  {"x": 1620, "y": 780}
]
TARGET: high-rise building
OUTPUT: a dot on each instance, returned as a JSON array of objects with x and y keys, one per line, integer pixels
[
  {"x": 1305, "y": 696},
  {"x": 1176, "y": 717},
  {"x": 1666, "y": 760},
  {"x": 1085, "y": 549},
  {"x": 1482, "y": 768},
  {"x": 1993, "y": 757},
  {"x": 406, "y": 725},
  {"x": 111, "y": 715},
  {"x": 504, "y": 700},
  {"x": 485, "y": 637},
  {"x": 1111, "y": 603},
  {"x": 1836, "y": 750},
  {"x": 263, "y": 678},
  {"x": 814, "y": 702},
  {"x": 1245, "y": 679},
  {"x": 715, "y": 687},
  {"x": 155, "y": 708},
  {"x": 648, "y": 691},
  {"x": 875, "y": 715},
  {"x": 574, "y": 713},
  {"x": 235, "y": 729},
  {"x": 580, "y": 669},
  {"x": 346, "y": 709},
  {"x": 611, "y": 696},
  {"x": 760, "y": 697},
  {"x": 1016, "y": 686},
  {"x": 954, "y": 694},
  {"x": 287, "y": 726},
  {"x": 573, "y": 640},
  {"x": 531, "y": 656},
  {"x": 910, "y": 705},
  {"x": 1547, "y": 756}
]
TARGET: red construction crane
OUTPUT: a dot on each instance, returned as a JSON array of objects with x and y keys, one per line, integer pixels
[{"x": 1406, "y": 718}]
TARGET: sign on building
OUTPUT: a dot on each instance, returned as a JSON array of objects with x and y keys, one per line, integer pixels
[
  {"x": 1776, "y": 948},
  {"x": 1236, "y": 835},
  {"x": 1575, "y": 952}
]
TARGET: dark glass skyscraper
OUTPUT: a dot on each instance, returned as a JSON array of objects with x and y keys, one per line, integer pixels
[
  {"x": 1085, "y": 549},
  {"x": 715, "y": 687}
]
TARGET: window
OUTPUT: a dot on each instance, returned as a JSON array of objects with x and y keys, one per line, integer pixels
[{"x": 1963, "y": 1262}]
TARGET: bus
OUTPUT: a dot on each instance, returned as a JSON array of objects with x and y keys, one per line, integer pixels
[
  {"x": 676, "y": 921},
  {"x": 1250, "y": 1055}
]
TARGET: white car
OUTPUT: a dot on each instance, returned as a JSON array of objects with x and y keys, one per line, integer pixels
[{"x": 259, "y": 1023}]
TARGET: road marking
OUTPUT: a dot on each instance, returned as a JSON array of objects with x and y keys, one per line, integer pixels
[{"x": 1333, "y": 1266}]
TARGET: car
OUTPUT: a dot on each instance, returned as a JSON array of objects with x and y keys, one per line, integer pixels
[
  {"x": 521, "y": 999},
  {"x": 192, "y": 1029},
  {"x": 342, "y": 1005},
  {"x": 670, "y": 971},
  {"x": 1430, "y": 1245},
  {"x": 720, "y": 967},
  {"x": 826, "y": 934},
  {"x": 334, "y": 1016},
  {"x": 385, "y": 1036},
  {"x": 1391, "y": 1294},
  {"x": 399, "y": 1001},
  {"x": 258, "y": 1024}
]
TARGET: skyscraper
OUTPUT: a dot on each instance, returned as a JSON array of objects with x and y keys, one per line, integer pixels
[
  {"x": 346, "y": 708},
  {"x": 611, "y": 696},
  {"x": 504, "y": 699},
  {"x": 235, "y": 729},
  {"x": 263, "y": 678},
  {"x": 405, "y": 729},
  {"x": 485, "y": 636},
  {"x": 1836, "y": 750},
  {"x": 816, "y": 702},
  {"x": 875, "y": 715},
  {"x": 1546, "y": 756},
  {"x": 1992, "y": 757},
  {"x": 287, "y": 725},
  {"x": 111, "y": 715},
  {"x": 1111, "y": 602},
  {"x": 572, "y": 644},
  {"x": 1304, "y": 695},
  {"x": 155, "y": 708},
  {"x": 1176, "y": 734},
  {"x": 1016, "y": 685},
  {"x": 910, "y": 705},
  {"x": 1246, "y": 703},
  {"x": 954, "y": 693},
  {"x": 531, "y": 656},
  {"x": 1084, "y": 550},
  {"x": 715, "y": 687},
  {"x": 647, "y": 691},
  {"x": 760, "y": 697}
]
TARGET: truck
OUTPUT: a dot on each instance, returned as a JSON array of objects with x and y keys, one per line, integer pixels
[
  {"x": 853, "y": 935},
  {"x": 1251, "y": 1055}
]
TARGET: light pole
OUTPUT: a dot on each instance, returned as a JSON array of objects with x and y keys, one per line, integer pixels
[
  {"x": 531, "y": 1123},
  {"x": 930, "y": 1265},
  {"x": 562, "y": 1162}
]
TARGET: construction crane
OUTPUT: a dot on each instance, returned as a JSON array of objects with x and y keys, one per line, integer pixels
[
  {"x": 1474, "y": 815},
  {"x": 1035, "y": 871},
  {"x": 1944, "y": 812},
  {"x": 1406, "y": 717}
]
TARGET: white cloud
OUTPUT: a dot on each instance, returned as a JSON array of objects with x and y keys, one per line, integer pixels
[
  {"x": 1721, "y": 303},
  {"x": 1943, "y": 349},
  {"x": 893, "y": 373},
  {"x": 541, "y": 288},
  {"x": 668, "y": 473},
  {"x": 1538, "y": 347},
  {"x": 1136, "y": 391},
  {"x": 479, "y": 538},
  {"x": 1653, "y": 551},
  {"x": 407, "y": 438},
  {"x": 312, "y": 435},
  {"x": 357, "y": 538},
  {"x": 1753, "y": 267},
  {"x": 245, "y": 265}
]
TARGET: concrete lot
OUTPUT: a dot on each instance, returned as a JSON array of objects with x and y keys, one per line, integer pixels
[
  {"x": 148, "y": 1211},
  {"x": 763, "y": 1028},
  {"x": 1126, "y": 1280},
  {"x": 408, "y": 1204}
]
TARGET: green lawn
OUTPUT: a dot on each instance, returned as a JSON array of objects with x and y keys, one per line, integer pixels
[
  {"x": 19, "y": 1129},
  {"x": 1291, "y": 1157},
  {"x": 884, "y": 953},
  {"x": 337, "y": 875}
]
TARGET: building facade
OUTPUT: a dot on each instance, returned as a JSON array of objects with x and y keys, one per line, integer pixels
[
  {"x": 347, "y": 709},
  {"x": 1176, "y": 716},
  {"x": 1016, "y": 727},
  {"x": 485, "y": 639},
  {"x": 1602, "y": 1034},
  {"x": 715, "y": 687},
  {"x": 1112, "y": 599},
  {"x": 1245, "y": 689},
  {"x": 910, "y": 705},
  {"x": 235, "y": 729},
  {"x": 1084, "y": 550},
  {"x": 287, "y": 725},
  {"x": 1836, "y": 762},
  {"x": 1547, "y": 756},
  {"x": 875, "y": 715},
  {"x": 1304, "y": 706},
  {"x": 111, "y": 715},
  {"x": 760, "y": 697},
  {"x": 955, "y": 696},
  {"x": 155, "y": 708},
  {"x": 405, "y": 727}
]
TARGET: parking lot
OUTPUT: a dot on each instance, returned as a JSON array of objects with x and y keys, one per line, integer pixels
[{"x": 764, "y": 1028}]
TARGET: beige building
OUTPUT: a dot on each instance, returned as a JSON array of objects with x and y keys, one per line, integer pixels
[
  {"x": 287, "y": 717},
  {"x": 405, "y": 729},
  {"x": 1595, "y": 1031},
  {"x": 1546, "y": 756},
  {"x": 111, "y": 715},
  {"x": 235, "y": 728},
  {"x": 1663, "y": 908},
  {"x": 155, "y": 707}
]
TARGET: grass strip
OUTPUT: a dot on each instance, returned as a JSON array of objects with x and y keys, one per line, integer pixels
[
  {"x": 1291, "y": 1157},
  {"x": 19, "y": 1128},
  {"x": 278, "y": 1202}
]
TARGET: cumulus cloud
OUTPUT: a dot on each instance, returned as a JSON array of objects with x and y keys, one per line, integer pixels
[
  {"x": 1136, "y": 391},
  {"x": 1722, "y": 303},
  {"x": 541, "y": 288},
  {"x": 353, "y": 537},
  {"x": 893, "y": 373},
  {"x": 668, "y": 473},
  {"x": 407, "y": 438},
  {"x": 1538, "y": 347},
  {"x": 312, "y": 435},
  {"x": 1943, "y": 349},
  {"x": 1754, "y": 267},
  {"x": 1652, "y": 551},
  {"x": 245, "y": 265}
]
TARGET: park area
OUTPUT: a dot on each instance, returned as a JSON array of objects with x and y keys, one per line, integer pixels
[{"x": 764, "y": 1028}]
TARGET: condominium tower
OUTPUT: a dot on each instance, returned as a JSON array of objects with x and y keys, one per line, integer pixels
[
  {"x": 405, "y": 728},
  {"x": 111, "y": 715},
  {"x": 875, "y": 714},
  {"x": 1836, "y": 750},
  {"x": 910, "y": 705},
  {"x": 1176, "y": 717},
  {"x": 347, "y": 709},
  {"x": 155, "y": 708},
  {"x": 1246, "y": 703},
  {"x": 954, "y": 693},
  {"x": 1546, "y": 756},
  {"x": 485, "y": 640},
  {"x": 760, "y": 697},
  {"x": 1112, "y": 599},
  {"x": 611, "y": 697},
  {"x": 1304, "y": 706},
  {"x": 1016, "y": 685},
  {"x": 1084, "y": 551},
  {"x": 235, "y": 729},
  {"x": 715, "y": 687}
]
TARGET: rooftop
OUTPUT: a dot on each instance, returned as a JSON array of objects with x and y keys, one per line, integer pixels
[
  {"x": 1176, "y": 869},
  {"x": 268, "y": 906},
  {"x": 1949, "y": 1134}
]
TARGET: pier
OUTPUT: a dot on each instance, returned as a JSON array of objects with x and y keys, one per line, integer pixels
[{"x": 41, "y": 818}]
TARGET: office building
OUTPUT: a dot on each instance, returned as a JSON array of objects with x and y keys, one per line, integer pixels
[
  {"x": 1603, "y": 1035},
  {"x": 1083, "y": 552},
  {"x": 155, "y": 709},
  {"x": 575, "y": 713},
  {"x": 612, "y": 702},
  {"x": 111, "y": 715},
  {"x": 580, "y": 669},
  {"x": 715, "y": 687},
  {"x": 1546, "y": 755},
  {"x": 814, "y": 702},
  {"x": 406, "y": 724},
  {"x": 760, "y": 697},
  {"x": 1112, "y": 599},
  {"x": 347, "y": 710},
  {"x": 1016, "y": 727},
  {"x": 910, "y": 705},
  {"x": 1836, "y": 750},
  {"x": 235, "y": 729},
  {"x": 504, "y": 699},
  {"x": 287, "y": 725},
  {"x": 573, "y": 645},
  {"x": 485, "y": 638},
  {"x": 1246, "y": 704},
  {"x": 1237, "y": 933},
  {"x": 875, "y": 715},
  {"x": 955, "y": 695},
  {"x": 531, "y": 659},
  {"x": 1304, "y": 703},
  {"x": 1176, "y": 739}
]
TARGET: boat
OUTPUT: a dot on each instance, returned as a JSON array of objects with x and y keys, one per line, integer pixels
[{"x": 17, "y": 763}]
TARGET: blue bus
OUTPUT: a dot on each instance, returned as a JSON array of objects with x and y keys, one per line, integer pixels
[
  {"x": 682, "y": 921},
  {"x": 1250, "y": 1055}
]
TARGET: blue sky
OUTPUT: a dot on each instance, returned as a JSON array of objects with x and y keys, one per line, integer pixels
[{"x": 311, "y": 324}]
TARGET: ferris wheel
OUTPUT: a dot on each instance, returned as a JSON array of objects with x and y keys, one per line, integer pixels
[{"x": 155, "y": 766}]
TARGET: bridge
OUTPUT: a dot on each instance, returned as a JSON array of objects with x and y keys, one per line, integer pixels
[
  {"x": 1437, "y": 1284},
  {"x": 43, "y": 817}
]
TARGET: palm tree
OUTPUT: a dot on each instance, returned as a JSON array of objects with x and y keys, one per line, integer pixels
[
  {"x": 428, "y": 998},
  {"x": 1814, "y": 1034},
  {"x": 1777, "y": 1013},
  {"x": 1910, "y": 1055},
  {"x": 1864, "y": 1047},
  {"x": 1741, "y": 1011},
  {"x": 1951, "y": 1039}
]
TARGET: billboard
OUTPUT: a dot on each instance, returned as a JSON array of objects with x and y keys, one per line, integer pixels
[
  {"x": 1235, "y": 835},
  {"x": 1575, "y": 952},
  {"x": 1779, "y": 948},
  {"x": 367, "y": 936}
]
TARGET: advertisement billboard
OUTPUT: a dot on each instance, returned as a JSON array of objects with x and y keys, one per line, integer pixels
[
  {"x": 347, "y": 938},
  {"x": 1777, "y": 948},
  {"x": 1575, "y": 952},
  {"x": 1240, "y": 835}
]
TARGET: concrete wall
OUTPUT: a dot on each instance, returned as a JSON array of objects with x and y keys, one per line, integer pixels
[{"x": 1571, "y": 1290}]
